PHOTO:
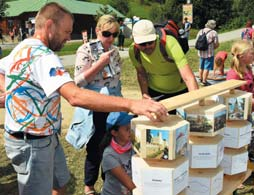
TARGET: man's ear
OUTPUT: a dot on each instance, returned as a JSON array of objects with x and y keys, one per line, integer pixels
[{"x": 49, "y": 27}]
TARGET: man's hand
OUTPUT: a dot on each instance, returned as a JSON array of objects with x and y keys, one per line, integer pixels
[{"x": 155, "y": 111}]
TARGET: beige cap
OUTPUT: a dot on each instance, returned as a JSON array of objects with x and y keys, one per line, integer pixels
[{"x": 143, "y": 31}]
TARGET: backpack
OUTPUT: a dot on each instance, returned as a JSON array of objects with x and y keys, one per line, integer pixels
[
  {"x": 168, "y": 28},
  {"x": 202, "y": 42}
]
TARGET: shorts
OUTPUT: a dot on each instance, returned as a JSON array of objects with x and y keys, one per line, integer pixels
[
  {"x": 40, "y": 164},
  {"x": 206, "y": 63}
]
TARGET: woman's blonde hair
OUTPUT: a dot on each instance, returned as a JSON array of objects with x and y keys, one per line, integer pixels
[
  {"x": 107, "y": 22},
  {"x": 238, "y": 49}
]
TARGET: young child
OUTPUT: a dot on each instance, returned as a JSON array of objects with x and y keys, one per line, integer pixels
[
  {"x": 219, "y": 61},
  {"x": 243, "y": 57},
  {"x": 116, "y": 160}
]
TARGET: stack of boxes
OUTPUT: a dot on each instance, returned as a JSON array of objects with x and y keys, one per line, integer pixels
[
  {"x": 237, "y": 133},
  {"x": 207, "y": 120},
  {"x": 161, "y": 166}
]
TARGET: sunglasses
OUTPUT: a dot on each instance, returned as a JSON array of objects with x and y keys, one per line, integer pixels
[
  {"x": 146, "y": 43},
  {"x": 108, "y": 34}
]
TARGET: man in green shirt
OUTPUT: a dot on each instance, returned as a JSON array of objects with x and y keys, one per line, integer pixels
[{"x": 157, "y": 77}]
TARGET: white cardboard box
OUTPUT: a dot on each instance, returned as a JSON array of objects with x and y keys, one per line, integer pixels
[
  {"x": 235, "y": 161},
  {"x": 208, "y": 119},
  {"x": 159, "y": 176},
  {"x": 161, "y": 140},
  {"x": 205, "y": 152},
  {"x": 238, "y": 103},
  {"x": 237, "y": 133},
  {"x": 205, "y": 181}
]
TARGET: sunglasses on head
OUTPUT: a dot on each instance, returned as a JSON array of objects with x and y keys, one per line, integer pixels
[
  {"x": 146, "y": 43},
  {"x": 108, "y": 34}
]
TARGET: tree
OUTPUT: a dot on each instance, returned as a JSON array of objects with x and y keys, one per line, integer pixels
[
  {"x": 120, "y": 5},
  {"x": 3, "y": 7},
  {"x": 104, "y": 10}
]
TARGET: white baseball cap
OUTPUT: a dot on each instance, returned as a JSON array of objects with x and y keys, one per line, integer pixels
[{"x": 143, "y": 31}]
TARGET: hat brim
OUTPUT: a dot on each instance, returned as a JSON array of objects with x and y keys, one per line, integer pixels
[{"x": 143, "y": 39}]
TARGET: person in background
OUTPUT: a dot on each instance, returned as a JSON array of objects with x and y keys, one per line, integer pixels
[
  {"x": 97, "y": 67},
  {"x": 158, "y": 78},
  {"x": 187, "y": 27},
  {"x": 1, "y": 36},
  {"x": 84, "y": 36},
  {"x": 117, "y": 152},
  {"x": 248, "y": 32},
  {"x": 219, "y": 62},
  {"x": 121, "y": 36},
  {"x": 241, "y": 69},
  {"x": 30, "y": 29},
  {"x": 207, "y": 57},
  {"x": 12, "y": 34},
  {"x": 34, "y": 79}
]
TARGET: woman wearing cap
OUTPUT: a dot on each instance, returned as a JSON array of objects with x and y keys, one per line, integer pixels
[{"x": 97, "y": 67}]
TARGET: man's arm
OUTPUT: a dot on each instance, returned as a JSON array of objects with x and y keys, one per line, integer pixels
[
  {"x": 98, "y": 102},
  {"x": 188, "y": 77},
  {"x": 142, "y": 80}
]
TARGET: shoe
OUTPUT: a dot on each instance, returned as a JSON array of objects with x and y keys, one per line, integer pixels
[{"x": 206, "y": 83}]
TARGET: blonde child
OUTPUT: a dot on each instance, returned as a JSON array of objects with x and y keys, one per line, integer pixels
[
  {"x": 219, "y": 61},
  {"x": 116, "y": 160},
  {"x": 241, "y": 69}
]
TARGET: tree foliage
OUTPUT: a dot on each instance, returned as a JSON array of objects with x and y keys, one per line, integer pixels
[
  {"x": 120, "y": 5},
  {"x": 104, "y": 10}
]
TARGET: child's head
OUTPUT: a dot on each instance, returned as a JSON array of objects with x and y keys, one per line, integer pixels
[
  {"x": 219, "y": 62},
  {"x": 243, "y": 56},
  {"x": 118, "y": 126}
]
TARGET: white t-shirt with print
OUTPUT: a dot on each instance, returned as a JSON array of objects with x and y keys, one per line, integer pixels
[{"x": 33, "y": 74}]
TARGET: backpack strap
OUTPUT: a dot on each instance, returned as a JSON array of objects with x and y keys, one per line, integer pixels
[
  {"x": 163, "y": 38},
  {"x": 137, "y": 54}
]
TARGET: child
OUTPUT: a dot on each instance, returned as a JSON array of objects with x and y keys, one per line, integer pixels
[
  {"x": 243, "y": 57},
  {"x": 116, "y": 160},
  {"x": 219, "y": 61}
]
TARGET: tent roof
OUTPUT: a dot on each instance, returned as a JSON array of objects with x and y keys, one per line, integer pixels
[{"x": 17, "y": 7}]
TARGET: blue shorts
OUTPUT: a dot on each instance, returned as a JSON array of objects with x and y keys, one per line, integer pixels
[
  {"x": 40, "y": 164},
  {"x": 206, "y": 63}
]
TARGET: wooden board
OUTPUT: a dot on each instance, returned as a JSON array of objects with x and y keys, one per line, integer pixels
[
  {"x": 200, "y": 94},
  {"x": 231, "y": 182}
]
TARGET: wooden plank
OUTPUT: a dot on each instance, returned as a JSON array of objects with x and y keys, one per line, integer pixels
[
  {"x": 196, "y": 95},
  {"x": 231, "y": 182}
]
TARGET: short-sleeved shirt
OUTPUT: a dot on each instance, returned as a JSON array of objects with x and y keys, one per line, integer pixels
[
  {"x": 86, "y": 58},
  {"x": 163, "y": 76},
  {"x": 222, "y": 55},
  {"x": 212, "y": 38},
  {"x": 33, "y": 74},
  {"x": 248, "y": 77},
  {"x": 110, "y": 160}
]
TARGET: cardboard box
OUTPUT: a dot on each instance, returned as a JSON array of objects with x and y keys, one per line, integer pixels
[
  {"x": 205, "y": 152},
  {"x": 237, "y": 133},
  {"x": 238, "y": 103},
  {"x": 208, "y": 119},
  {"x": 205, "y": 181},
  {"x": 161, "y": 140},
  {"x": 160, "y": 176},
  {"x": 235, "y": 161}
]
